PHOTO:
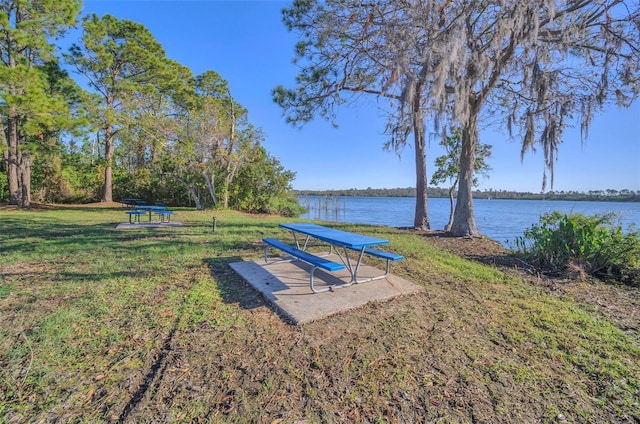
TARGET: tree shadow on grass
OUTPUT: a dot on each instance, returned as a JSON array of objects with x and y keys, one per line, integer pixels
[
  {"x": 20, "y": 235},
  {"x": 233, "y": 288}
]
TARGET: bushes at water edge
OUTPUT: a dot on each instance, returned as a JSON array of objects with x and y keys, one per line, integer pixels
[{"x": 595, "y": 245}]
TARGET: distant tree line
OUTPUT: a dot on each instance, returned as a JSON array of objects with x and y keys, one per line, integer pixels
[
  {"x": 147, "y": 127},
  {"x": 591, "y": 195}
]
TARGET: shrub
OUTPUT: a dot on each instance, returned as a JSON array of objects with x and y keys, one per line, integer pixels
[{"x": 595, "y": 245}]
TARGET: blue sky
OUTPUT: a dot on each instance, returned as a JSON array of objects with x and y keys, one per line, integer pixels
[{"x": 249, "y": 46}]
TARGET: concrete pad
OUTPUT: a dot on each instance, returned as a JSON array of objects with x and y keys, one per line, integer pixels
[
  {"x": 286, "y": 285},
  {"x": 152, "y": 224}
]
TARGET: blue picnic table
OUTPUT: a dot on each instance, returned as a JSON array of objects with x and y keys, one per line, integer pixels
[
  {"x": 158, "y": 209},
  {"x": 132, "y": 202},
  {"x": 338, "y": 240}
]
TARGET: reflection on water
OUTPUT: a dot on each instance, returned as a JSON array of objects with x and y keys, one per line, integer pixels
[{"x": 324, "y": 208}]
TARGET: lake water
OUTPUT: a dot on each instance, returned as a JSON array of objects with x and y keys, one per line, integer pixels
[{"x": 502, "y": 220}]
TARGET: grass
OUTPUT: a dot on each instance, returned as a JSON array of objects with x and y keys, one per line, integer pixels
[{"x": 101, "y": 325}]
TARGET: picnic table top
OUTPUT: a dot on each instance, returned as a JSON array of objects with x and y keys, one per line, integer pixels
[
  {"x": 151, "y": 207},
  {"x": 331, "y": 235},
  {"x": 133, "y": 201}
]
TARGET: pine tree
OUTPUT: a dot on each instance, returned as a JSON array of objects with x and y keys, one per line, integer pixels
[{"x": 26, "y": 103}]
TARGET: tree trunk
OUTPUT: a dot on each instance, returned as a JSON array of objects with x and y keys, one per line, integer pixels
[
  {"x": 230, "y": 174},
  {"x": 232, "y": 141},
  {"x": 196, "y": 198},
  {"x": 25, "y": 179},
  {"x": 464, "y": 221},
  {"x": 450, "y": 223},
  {"x": 15, "y": 195},
  {"x": 4, "y": 146},
  {"x": 107, "y": 195},
  {"x": 421, "y": 219},
  {"x": 225, "y": 194},
  {"x": 211, "y": 186}
]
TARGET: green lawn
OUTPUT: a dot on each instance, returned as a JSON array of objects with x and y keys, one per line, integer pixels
[{"x": 151, "y": 325}]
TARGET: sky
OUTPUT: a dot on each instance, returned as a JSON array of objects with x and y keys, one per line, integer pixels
[{"x": 249, "y": 46}]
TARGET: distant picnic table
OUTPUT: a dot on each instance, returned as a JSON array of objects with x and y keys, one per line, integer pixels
[
  {"x": 159, "y": 210},
  {"x": 139, "y": 207},
  {"x": 132, "y": 202}
]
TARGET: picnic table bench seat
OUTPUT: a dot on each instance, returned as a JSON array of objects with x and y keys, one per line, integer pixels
[
  {"x": 388, "y": 256},
  {"x": 164, "y": 214},
  {"x": 135, "y": 214},
  {"x": 313, "y": 260}
]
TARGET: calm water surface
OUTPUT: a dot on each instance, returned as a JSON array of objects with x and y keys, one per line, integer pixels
[{"x": 502, "y": 220}]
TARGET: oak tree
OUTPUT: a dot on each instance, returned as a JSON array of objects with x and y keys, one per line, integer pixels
[
  {"x": 532, "y": 67},
  {"x": 535, "y": 67},
  {"x": 353, "y": 48}
]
